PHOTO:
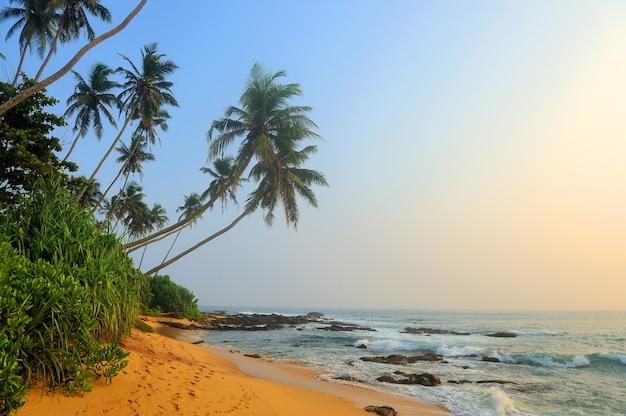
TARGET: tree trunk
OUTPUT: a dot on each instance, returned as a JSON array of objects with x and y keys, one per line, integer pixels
[
  {"x": 95, "y": 172},
  {"x": 200, "y": 244},
  {"x": 72, "y": 147},
  {"x": 50, "y": 53},
  {"x": 19, "y": 68},
  {"x": 57, "y": 75}
]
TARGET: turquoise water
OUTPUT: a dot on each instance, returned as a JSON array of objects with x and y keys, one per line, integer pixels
[{"x": 560, "y": 363}]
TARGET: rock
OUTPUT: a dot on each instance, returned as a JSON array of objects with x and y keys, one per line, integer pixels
[
  {"x": 495, "y": 382},
  {"x": 502, "y": 335},
  {"x": 425, "y": 379},
  {"x": 459, "y": 381},
  {"x": 346, "y": 327},
  {"x": 491, "y": 359},
  {"x": 431, "y": 331},
  {"x": 381, "y": 410},
  {"x": 401, "y": 359},
  {"x": 252, "y": 355},
  {"x": 314, "y": 316}
]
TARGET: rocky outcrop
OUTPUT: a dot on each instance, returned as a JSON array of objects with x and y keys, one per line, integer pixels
[
  {"x": 401, "y": 359},
  {"x": 424, "y": 379},
  {"x": 502, "y": 335},
  {"x": 381, "y": 410},
  {"x": 343, "y": 327},
  {"x": 491, "y": 359},
  {"x": 244, "y": 322},
  {"x": 431, "y": 331}
]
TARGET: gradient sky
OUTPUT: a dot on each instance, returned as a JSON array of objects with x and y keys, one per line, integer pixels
[{"x": 476, "y": 151}]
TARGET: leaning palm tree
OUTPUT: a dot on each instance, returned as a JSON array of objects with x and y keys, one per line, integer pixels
[
  {"x": 192, "y": 205},
  {"x": 145, "y": 93},
  {"x": 92, "y": 99},
  {"x": 36, "y": 21},
  {"x": 222, "y": 172},
  {"x": 132, "y": 162},
  {"x": 73, "y": 20},
  {"x": 271, "y": 132},
  {"x": 265, "y": 121},
  {"x": 156, "y": 219},
  {"x": 13, "y": 101}
]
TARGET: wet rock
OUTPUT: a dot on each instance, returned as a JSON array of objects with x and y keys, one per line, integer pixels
[
  {"x": 252, "y": 355},
  {"x": 342, "y": 327},
  {"x": 314, "y": 316},
  {"x": 459, "y": 381},
  {"x": 431, "y": 331},
  {"x": 491, "y": 359},
  {"x": 381, "y": 410},
  {"x": 401, "y": 359},
  {"x": 502, "y": 335},
  {"x": 495, "y": 382},
  {"x": 424, "y": 379}
]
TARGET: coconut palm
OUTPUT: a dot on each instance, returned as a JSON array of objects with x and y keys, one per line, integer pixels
[
  {"x": 131, "y": 161},
  {"x": 271, "y": 132},
  {"x": 36, "y": 20},
  {"x": 92, "y": 99},
  {"x": 144, "y": 94},
  {"x": 222, "y": 172},
  {"x": 73, "y": 20},
  {"x": 13, "y": 101},
  {"x": 192, "y": 205},
  {"x": 156, "y": 219}
]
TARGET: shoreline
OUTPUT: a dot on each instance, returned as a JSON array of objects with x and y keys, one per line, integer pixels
[{"x": 168, "y": 374}]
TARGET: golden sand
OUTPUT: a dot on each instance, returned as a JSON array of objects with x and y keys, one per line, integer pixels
[{"x": 168, "y": 376}]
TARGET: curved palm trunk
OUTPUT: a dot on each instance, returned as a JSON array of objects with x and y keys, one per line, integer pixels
[
  {"x": 69, "y": 152},
  {"x": 95, "y": 172},
  {"x": 117, "y": 201},
  {"x": 172, "y": 246},
  {"x": 143, "y": 253},
  {"x": 53, "y": 47},
  {"x": 184, "y": 222},
  {"x": 19, "y": 68},
  {"x": 119, "y": 173},
  {"x": 64, "y": 70},
  {"x": 200, "y": 244}
]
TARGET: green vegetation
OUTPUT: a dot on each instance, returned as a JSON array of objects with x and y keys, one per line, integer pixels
[
  {"x": 162, "y": 296},
  {"x": 69, "y": 292}
]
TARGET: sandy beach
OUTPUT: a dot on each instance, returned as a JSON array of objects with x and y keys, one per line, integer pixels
[{"x": 173, "y": 376}]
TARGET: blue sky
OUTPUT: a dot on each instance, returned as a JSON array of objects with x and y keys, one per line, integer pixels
[{"x": 474, "y": 150}]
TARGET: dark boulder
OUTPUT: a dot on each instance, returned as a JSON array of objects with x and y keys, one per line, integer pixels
[
  {"x": 491, "y": 359},
  {"x": 401, "y": 359},
  {"x": 502, "y": 335},
  {"x": 381, "y": 410},
  {"x": 424, "y": 379},
  {"x": 431, "y": 331}
]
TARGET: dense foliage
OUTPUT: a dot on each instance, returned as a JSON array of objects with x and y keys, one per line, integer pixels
[
  {"x": 164, "y": 296},
  {"x": 26, "y": 149},
  {"x": 51, "y": 226},
  {"x": 46, "y": 331}
]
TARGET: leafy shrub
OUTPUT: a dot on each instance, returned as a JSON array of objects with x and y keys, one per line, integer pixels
[
  {"x": 46, "y": 315},
  {"x": 165, "y": 296},
  {"x": 51, "y": 226}
]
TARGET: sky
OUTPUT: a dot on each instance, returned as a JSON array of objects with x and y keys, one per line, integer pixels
[{"x": 475, "y": 151}]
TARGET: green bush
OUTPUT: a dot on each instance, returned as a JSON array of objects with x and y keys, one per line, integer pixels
[
  {"x": 165, "y": 296},
  {"x": 46, "y": 331},
  {"x": 51, "y": 226}
]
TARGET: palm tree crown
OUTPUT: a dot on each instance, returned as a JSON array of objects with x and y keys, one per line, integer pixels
[{"x": 271, "y": 129}]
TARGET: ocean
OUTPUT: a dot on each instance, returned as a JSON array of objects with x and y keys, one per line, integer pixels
[{"x": 551, "y": 364}]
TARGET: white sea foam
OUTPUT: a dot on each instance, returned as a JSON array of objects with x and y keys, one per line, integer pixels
[
  {"x": 447, "y": 351},
  {"x": 501, "y": 402},
  {"x": 544, "y": 360}
]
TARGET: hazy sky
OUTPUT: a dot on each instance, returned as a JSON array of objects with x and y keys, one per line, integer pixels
[{"x": 476, "y": 151}]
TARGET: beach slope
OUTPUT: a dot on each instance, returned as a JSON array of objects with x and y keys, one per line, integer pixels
[{"x": 166, "y": 376}]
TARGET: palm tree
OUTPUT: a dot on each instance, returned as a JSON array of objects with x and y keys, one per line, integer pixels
[
  {"x": 90, "y": 100},
  {"x": 36, "y": 24},
  {"x": 156, "y": 219},
  {"x": 192, "y": 205},
  {"x": 265, "y": 121},
  {"x": 131, "y": 162},
  {"x": 13, "y": 101},
  {"x": 271, "y": 130},
  {"x": 72, "y": 20},
  {"x": 93, "y": 194},
  {"x": 223, "y": 170},
  {"x": 145, "y": 93}
]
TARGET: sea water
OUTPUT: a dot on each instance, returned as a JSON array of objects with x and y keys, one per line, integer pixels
[{"x": 559, "y": 363}]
